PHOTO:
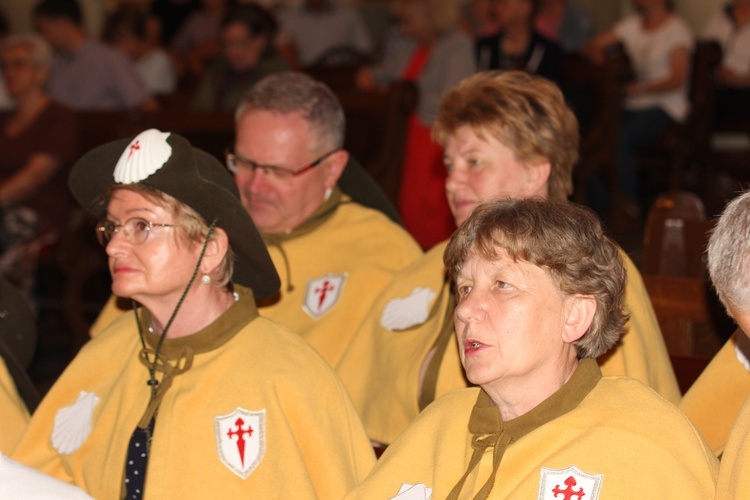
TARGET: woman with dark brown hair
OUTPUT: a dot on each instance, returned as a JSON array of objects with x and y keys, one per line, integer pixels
[{"x": 540, "y": 295}]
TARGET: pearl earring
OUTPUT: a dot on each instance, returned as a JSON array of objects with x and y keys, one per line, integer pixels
[{"x": 206, "y": 279}]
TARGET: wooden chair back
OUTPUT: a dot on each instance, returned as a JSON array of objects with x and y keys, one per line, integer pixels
[
  {"x": 674, "y": 273},
  {"x": 675, "y": 236},
  {"x": 376, "y": 127}
]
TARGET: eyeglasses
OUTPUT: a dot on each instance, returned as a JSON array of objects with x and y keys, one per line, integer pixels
[
  {"x": 240, "y": 165},
  {"x": 15, "y": 64},
  {"x": 135, "y": 230}
]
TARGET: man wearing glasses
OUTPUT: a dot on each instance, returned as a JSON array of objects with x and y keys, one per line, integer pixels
[{"x": 333, "y": 254}]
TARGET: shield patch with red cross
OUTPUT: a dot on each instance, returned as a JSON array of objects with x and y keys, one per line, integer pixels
[
  {"x": 241, "y": 440},
  {"x": 569, "y": 484},
  {"x": 322, "y": 294}
]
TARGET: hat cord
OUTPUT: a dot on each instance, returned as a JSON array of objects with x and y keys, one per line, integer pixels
[{"x": 152, "y": 369}]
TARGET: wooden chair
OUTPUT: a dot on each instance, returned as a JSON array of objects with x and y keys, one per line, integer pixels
[
  {"x": 675, "y": 236},
  {"x": 376, "y": 128},
  {"x": 674, "y": 273}
]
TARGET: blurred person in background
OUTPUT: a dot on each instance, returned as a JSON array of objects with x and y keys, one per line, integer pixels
[
  {"x": 479, "y": 19},
  {"x": 659, "y": 44},
  {"x": 318, "y": 27},
  {"x": 518, "y": 46},
  {"x": 248, "y": 55},
  {"x": 730, "y": 26},
  {"x": 198, "y": 41},
  {"x": 126, "y": 29},
  {"x": 427, "y": 47},
  {"x": 87, "y": 75},
  {"x": 38, "y": 142},
  {"x": 562, "y": 22}
]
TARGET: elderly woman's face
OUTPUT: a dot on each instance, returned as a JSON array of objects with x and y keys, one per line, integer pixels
[
  {"x": 410, "y": 18},
  {"x": 509, "y": 12},
  {"x": 509, "y": 321},
  {"x": 481, "y": 169},
  {"x": 20, "y": 73},
  {"x": 161, "y": 266}
]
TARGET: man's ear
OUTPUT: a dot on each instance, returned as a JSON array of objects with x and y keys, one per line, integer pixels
[
  {"x": 580, "y": 312},
  {"x": 334, "y": 166},
  {"x": 216, "y": 249}
]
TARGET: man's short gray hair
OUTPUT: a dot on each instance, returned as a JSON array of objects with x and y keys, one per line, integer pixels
[
  {"x": 729, "y": 254},
  {"x": 290, "y": 92}
]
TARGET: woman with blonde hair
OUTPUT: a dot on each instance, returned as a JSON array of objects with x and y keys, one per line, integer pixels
[
  {"x": 193, "y": 394},
  {"x": 507, "y": 134}
]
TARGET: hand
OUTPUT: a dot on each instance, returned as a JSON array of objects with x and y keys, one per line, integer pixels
[
  {"x": 633, "y": 88},
  {"x": 729, "y": 78}
]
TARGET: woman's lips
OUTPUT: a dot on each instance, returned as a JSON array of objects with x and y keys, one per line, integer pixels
[
  {"x": 462, "y": 203},
  {"x": 472, "y": 347},
  {"x": 120, "y": 269}
]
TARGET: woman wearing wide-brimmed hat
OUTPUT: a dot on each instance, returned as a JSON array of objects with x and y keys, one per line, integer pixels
[{"x": 195, "y": 395}]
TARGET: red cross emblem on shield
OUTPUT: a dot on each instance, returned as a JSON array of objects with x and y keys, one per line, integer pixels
[
  {"x": 322, "y": 294},
  {"x": 241, "y": 440},
  {"x": 569, "y": 484}
]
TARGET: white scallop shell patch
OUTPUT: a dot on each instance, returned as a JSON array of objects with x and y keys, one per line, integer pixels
[
  {"x": 405, "y": 312},
  {"x": 73, "y": 423},
  {"x": 145, "y": 155}
]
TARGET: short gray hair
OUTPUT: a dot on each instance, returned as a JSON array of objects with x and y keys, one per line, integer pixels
[
  {"x": 288, "y": 92},
  {"x": 729, "y": 254},
  {"x": 41, "y": 51}
]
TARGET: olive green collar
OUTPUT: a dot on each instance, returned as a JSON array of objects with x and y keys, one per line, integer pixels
[
  {"x": 213, "y": 336},
  {"x": 488, "y": 430},
  {"x": 320, "y": 216},
  {"x": 486, "y": 419}
]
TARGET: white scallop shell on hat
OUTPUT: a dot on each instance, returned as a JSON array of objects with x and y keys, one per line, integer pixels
[
  {"x": 145, "y": 154},
  {"x": 405, "y": 312},
  {"x": 73, "y": 423}
]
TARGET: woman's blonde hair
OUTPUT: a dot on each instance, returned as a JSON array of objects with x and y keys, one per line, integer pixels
[{"x": 526, "y": 113}]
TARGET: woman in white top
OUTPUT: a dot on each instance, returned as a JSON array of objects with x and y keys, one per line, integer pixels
[
  {"x": 659, "y": 44},
  {"x": 730, "y": 26}
]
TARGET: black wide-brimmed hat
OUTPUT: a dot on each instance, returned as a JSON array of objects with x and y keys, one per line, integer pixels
[{"x": 168, "y": 163}]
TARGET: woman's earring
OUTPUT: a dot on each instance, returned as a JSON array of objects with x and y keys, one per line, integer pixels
[{"x": 206, "y": 279}]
